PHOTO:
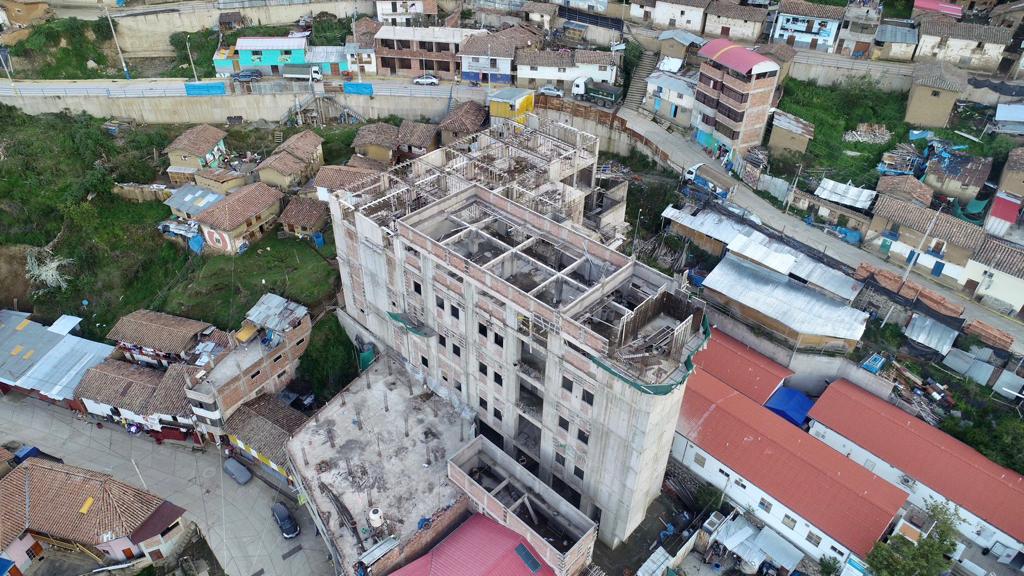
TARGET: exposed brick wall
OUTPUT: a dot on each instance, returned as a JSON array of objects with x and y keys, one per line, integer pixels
[{"x": 442, "y": 524}]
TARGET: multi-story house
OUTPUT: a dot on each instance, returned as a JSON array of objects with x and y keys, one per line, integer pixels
[
  {"x": 269, "y": 55},
  {"x": 670, "y": 96},
  {"x": 195, "y": 149},
  {"x": 805, "y": 25},
  {"x": 486, "y": 281},
  {"x": 405, "y": 12},
  {"x": 405, "y": 51},
  {"x": 157, "y": 339},
  {"x": 860, "y": 25},
  {"x": 539, "y": 67},
  {"x": 734, "y": 95},
  {"x": 241, "y": 219},
  {"x": 683, "y": 14},
  {"x": 487, "y": 58},
  {"x": 973, "y": 46},
  {"x": 728, "y": 19}
]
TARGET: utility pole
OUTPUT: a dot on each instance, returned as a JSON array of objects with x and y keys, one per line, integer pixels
[
  {"x": 120, "y": 54},
  {"x": 912, "y": 261},
  {"x": 636, "y": 232},
  {"x": 188, "y": 48},
  {"x": 792, "y": 188}
]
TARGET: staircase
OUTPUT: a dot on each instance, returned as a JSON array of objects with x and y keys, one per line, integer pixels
[{"x": 638, "y": 83}]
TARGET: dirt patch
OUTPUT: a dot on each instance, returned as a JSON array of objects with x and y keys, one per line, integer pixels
[
  {"x": 15, "y": 287},
  {"x": 22, "y": 16}
]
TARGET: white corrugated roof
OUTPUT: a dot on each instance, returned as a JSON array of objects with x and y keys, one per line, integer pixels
[
  {"x": 785, "y": 300},
  {"x": 1010, "y": 113},
  {"x": 275, "y": 43},
  {"x": 931, "y": 333},
  {"x": 846, "y": 194}
]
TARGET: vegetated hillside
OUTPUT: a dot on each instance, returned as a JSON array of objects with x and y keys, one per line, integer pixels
[
  {"x": 204, "y": 44},
  {"x": 63, "y": 49}
]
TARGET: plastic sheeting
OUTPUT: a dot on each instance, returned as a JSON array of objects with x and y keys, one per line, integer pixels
[{"x": 792, "y": 405}]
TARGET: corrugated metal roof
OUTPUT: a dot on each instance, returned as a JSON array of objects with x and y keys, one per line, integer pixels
[
  {"x": 792, "y": 123},
  {"x": 683, "y": 37},
  {"x": 845, "y": 194},
  {"x": 22, "y": 344},
  {"x": 1010, "y": 113},
  {"x": 671, "y": 82},
  {"x": 958, "y": 361},
  {"x": 896, "y": 34},
  {"x": 59, "y": 372},
  {"x": 709, "y": 223},
  {"x": 193, "y": 199},
  {"x": 741, "y": 367},
  {"x": 785, "y": 300},
  {"x": 65, "y": 324},
  {"x": 326, "y": 54},
  {"x": 1008, "y": 385},
  {"x": 931, "y": 333},
  {"x": 276, "y": 313},
  {"x": 277, "y": 43}
]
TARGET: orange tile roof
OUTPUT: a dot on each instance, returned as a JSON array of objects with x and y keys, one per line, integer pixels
[
  {"x": 927, "y": 454},
  {"x": 741, "y": 367},
  {"x": 156, "y": 330},
  {"x": 832, "y": 492},
  {"x": 308, "y": 213},
  {"x": 197, "y": 140},
  {"x": 239, "y": 206}
]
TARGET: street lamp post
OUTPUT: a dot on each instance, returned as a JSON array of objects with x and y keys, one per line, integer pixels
[{"x": 188, "y": 48}]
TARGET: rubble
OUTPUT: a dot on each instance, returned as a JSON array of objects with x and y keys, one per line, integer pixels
[
  {"x": 868, "y": 133},
  {"x": 910, "y": 290}
]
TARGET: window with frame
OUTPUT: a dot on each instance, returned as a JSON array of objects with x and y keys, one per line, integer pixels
[
  {"x": 497, "y": 414},
  {"x": 789, "y": 522},
  {"x": 481, "y": 329},
  {"x": 483, "y": 403},
  {"x": 559, "y": 459},
  {"x": 566, "y": 384},
  {"x": 699, "y": 460},
  {"x": 424, "y": 361},
  {"x": 563, "y": 423},
  {"x": 440, "y": 302},
  {"x": 498, "y": 379},
  {"x": 442, "y": 341},
  {"x": 814, "y": 539},
  {"x": 583, "y": 436},
  {"x": 254, "y": 374},
  {"x": 765, "y": 505},
  {"x": 417, "y": 287},
  {"x": 455, "y": 311},
  {"x": 456, "y": 350},
  {"x": 577, "y": 472},
  {"x": 561, "y": 70},
  {"x": 588, "y": 397},
  {"x": 482, "y": 368},
  {"x": 499, "y": 340}
]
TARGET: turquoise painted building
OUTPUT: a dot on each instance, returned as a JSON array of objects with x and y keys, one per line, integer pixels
[{"x": 269, "y": 54}]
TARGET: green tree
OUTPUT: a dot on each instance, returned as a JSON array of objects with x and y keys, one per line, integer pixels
[
  {"x": 828, "y": 565},
  {"x": 900, "y": 557}
]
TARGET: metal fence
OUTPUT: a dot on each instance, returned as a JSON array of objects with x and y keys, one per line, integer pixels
[{"x": 104, "y": 91}]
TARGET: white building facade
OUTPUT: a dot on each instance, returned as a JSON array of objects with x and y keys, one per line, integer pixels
[
  {"x": 402, "y": 13},
  {"x": 682, "y": 14},
  {"x": 810, "y": 26},
  {"x": 539, "y": 67}
]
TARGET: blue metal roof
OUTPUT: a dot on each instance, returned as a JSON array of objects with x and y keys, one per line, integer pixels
[{"x": 793, "y": 405}]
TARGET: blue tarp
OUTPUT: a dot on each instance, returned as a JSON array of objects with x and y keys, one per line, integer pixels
[
  {"x": 205, "y": 89},
  {"x": 874, "y": 364},
  {"x": 318, "y": 240},
  {"x": 357, "y": 88},
  {"x": 196, "y": 243},
  {"x": 793, "y": 405},
  {"x": 5, "y": 566}
]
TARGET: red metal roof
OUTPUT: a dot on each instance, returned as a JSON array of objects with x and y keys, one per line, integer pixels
[
  {"x": 939, "y": 7},
  {"x": 925, "y": 453},
  {"x": 837, "y": 495},
  {"x": 1006, "y": 208},
  {"x": 741, "y": 367},
  {"x": 733, "y": 55},
  {"x": 479, "y": 547}
]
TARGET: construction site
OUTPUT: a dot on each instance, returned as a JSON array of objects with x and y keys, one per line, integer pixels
[{"x": 480, "y": 267}]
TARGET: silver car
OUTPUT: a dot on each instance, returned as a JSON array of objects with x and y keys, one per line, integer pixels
[{"x": 551, "y": 90}]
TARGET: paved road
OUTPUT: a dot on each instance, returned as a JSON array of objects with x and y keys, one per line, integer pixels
[
  {"x": 684, "y": 152},
  {"x": 235, "y": 519}
]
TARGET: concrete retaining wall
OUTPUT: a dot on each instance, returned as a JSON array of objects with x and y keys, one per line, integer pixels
[
  {"x": 148, "y": 33},
  {"x": 829, "y": 69}
]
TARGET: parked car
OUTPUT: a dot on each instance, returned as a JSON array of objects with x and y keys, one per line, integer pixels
[
  {"x": 551, "y": 90},
  {"x": 238, "y": 472},
  {"x": 426, "y": 80},
  {"x": 285, "y": 521},
  {"x": 247, "y": 76}
]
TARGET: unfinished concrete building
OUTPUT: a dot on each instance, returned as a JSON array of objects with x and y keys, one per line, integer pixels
[{"x": 484, "y": 272}]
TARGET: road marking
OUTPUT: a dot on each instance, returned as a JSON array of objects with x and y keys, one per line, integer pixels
[
  {"x": 140, "y": 474},
  {"x": 290, "y": 553}
]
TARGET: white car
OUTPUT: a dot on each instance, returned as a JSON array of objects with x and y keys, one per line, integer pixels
[
  {"x": 551, "y": 90},
  {"x": 426, "y": 80}
]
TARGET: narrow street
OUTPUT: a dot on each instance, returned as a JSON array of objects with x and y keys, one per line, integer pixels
[
  {"x": 684, "y": 153},
  {"x": 235, "y": 519}
]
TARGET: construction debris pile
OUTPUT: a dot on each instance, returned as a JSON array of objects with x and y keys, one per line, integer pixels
[
  {"x": 903, "y": 159},
  {"x": 869, "y": 134},
  {"x": 910, "y": 290}
]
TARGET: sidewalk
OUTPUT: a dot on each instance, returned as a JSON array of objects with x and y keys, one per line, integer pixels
[{"x": 683, "y": 152}]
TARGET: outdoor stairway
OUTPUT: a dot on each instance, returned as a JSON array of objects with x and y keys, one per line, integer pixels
[{"x": 638, "y": 84}]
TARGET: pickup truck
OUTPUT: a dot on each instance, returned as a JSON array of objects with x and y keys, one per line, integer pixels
[
  {"x": 302, "y": 72},
  {"x": 704, "y": 178}
]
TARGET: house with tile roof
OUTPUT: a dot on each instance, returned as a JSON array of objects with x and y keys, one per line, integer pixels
[
  {"x": 928, "y": 465},
  {"x": 898, "y": 227},
  {"x": 467, "y": 118},
  {"x": 964, "y": 44},
  {"x": 221, "y": 180},
  {"x": 934, "y": 90},
  {"x": 304, "y": 216},
  {"x": 197, "y": 148},
  {"x": 155, "y": 338},
  {"x": 42, "y": 500},
  {"x": 147, "y": 397},
  {"x": 562, "y": 67},
  {"x": 293, "y": 162},
  {"x": 377, "y": 141},
  {"x": 807, "y": 25},
  {"x": 995, "y": 273},
  {"x": 240, "y": 219},
  {"x": 259, "y": 430},
  {"x": 732, "y": 20},
  {"x": 801, "y": 489},
  {"x": 417, "y": 138},
  {"x": 330, "y": 179},
  {"x": 675, "y": 14}
]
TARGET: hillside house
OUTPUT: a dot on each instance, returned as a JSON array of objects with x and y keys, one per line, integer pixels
[
  {"x": 191, "y": 200},
  {"x": 240, "y": 219},
  {"x": 270, "y": 55},
  {"x": 971, "y": 46},
  {"x": 929, "y": 466},
  {"x": 1009, "y": 15},
  {"x": 859, "y": 29},
  {"x": 806, "y": 25},
  {"x": 410, "y": 52},
  {"x": 197, "y": 148},
  {"x": 487, "y": 58},
  {"x": 730, "y": 19},
  {"x": 157, "y": 339},
  {"x": 304, "y": 216},
  {"x": 377, "y": 141},
  {"x": 995, "y": 274},
  {"x": 789, "y": 133},
  {"x": 405, "y": 12},
  {"x": 680, "y": 44},
  {"x": 907, "y": 188},
  {"x": 1012, "y": 179},
  {"x": 539, "y": 67},
  {"x": 78, "y": 508},
  {"x": 293, "y": 162},
  {"x": 417, "y": 138},
  {"x": 958, "y": 175},
  {"x": 895, "y": 40},
  {"x": 220, "y": 180},
  {"x": 670, "y": 96},
  {"x": 330, "y": 179},
  {"x": 935, "y": 89},
  {"x": 467, "y": 118},
  {"x": 677, "y": 14},
  {"x": 781, "y": 54},
  {"x": 898, "y": 226}
]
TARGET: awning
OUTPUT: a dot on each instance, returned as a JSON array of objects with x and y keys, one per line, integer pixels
[
  {"x": 734, "y": 532},
  {"x": 246, "y": 332},
  {"x": 778, "y": 551}
]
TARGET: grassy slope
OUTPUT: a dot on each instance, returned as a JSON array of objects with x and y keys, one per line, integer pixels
[
  {"x": 60, "y": 49},
  {"x": 204, "y": 43}
]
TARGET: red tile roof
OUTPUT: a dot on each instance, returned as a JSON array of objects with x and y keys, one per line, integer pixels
[
  {"x": 239, "y": 206},
  {"x": 741, "y": 367},
  {"x": 479, "y": 547},
  {"x": 837, "y": 495},
  {"x": 925, "y": 453}
]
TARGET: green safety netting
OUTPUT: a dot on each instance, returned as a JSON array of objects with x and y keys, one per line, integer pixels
[
  {"x": 365, "y": 359},
  {"x": 408, "y": 324},
  {"x": 974, "y": 213},
  {"x": 660, "y": 389}
]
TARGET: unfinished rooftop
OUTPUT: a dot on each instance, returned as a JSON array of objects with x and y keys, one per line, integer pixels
[
  {"x": 381, "y": 443},
  {"x": 538, "y": 164},
  {"x": 560, "y": 533}
]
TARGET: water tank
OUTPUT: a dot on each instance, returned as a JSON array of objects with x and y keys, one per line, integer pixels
[{"x": 376, "y": 518}]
